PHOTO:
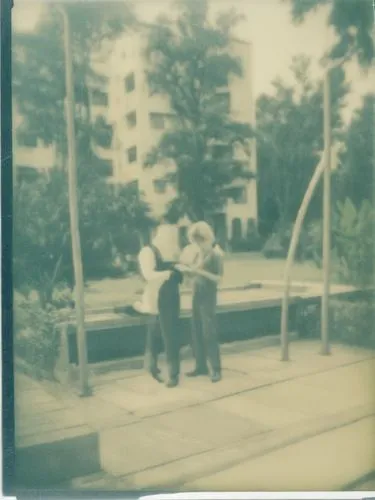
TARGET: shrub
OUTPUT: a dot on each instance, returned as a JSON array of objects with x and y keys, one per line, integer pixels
[
  {"x": 274, "y": 248},
  {"x": 277, "y": 246},
  {"x": 351, "y": 323},
  {"x": 352, "y": 242},
  {"x": 251, "y": 243},
  {"x": 36, "y": 336}
]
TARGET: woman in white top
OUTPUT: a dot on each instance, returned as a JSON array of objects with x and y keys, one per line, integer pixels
[{"x": 161, "y": 300}]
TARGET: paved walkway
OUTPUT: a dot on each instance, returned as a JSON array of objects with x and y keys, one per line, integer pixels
[{"x": 265, "y": 419}]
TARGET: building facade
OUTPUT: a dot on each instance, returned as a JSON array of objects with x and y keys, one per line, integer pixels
[{"x": 138, "y": 119}]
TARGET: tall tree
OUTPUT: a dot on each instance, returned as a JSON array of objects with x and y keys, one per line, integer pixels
[
  {"x": 353, "y": 22},
  {"x": 356, "y": 175},
  {"x": 190, "y": 62},
  {"x": 38, "y": 69},
  {"x": 290, "y": 131},
  {"x": 109, "y": 226}
]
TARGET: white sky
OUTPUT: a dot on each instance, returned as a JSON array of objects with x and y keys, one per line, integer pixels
[{"x": 268, "y": 25}]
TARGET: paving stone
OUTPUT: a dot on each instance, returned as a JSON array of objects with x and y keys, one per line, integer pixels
[
  {"x": 209, "y": 424},
  {"x": 310, "y": 465},
  {"x": 49, "y": 422},
  {"x": 247, "y": 407},
  {"x": 145, "y": 444},
  {"x": 101, "y": 416}
]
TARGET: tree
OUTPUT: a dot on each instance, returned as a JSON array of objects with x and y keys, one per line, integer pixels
[
  {"x": 190, "y": 62},
  {"x": 38, "y": 69},
  {"x": 290, "y": 131},
  {"x": 352, "y": 21},
  {"x": 356, "y": 174},
  {"x": 109, "y": 223}
]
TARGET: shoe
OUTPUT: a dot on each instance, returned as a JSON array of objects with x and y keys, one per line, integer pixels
[
  {"x": 172, "y": 382},
  {"x": 197, "y": 373},
  {"x": 215, "y": 377},
  {"x": 155, "y": 374}
]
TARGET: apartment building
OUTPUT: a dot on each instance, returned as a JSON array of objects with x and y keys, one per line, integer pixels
[{"x": 138, "y": 119}]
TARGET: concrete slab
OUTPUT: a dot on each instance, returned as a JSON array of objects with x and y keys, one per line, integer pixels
[
  {"x": 209, "y": 424},
  {"x": 149, "y": 433},
  {"x": 145, "y": 444},
  {"x": 247, "y": 407},
  {"x": 310, "y": 465}
]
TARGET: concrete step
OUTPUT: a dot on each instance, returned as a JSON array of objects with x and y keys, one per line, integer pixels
[{"x": 47, "y": 458}]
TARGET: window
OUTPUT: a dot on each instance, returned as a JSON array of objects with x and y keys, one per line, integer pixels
[
  {"x": 160, "y": 186},
  {"x": 157, "y": 120},
  {"x": 99, "y": 98},
  {"x": 132, "y": 154},
  {"x": 239, "y": 195},
  {"x": 102, "y": 133},
  {"x": 130, "y": 83},
  {"x": 131, "y": 119},
  {"x": 26, "y": 139}
]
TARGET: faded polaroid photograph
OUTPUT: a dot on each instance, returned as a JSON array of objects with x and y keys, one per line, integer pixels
[{"x": 193, "y": 245}]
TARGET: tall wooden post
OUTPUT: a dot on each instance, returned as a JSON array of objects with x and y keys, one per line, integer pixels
[
  {"x": 325, "y": 349},
  {"x": 73, "y": 211}
]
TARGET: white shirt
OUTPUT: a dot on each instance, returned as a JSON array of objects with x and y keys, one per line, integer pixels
[{"x": 154, "y": 280}]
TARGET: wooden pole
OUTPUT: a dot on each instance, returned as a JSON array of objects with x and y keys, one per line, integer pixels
[
  {"x": 325, "y": 349},
  {"x": 73, "y": 211},
  {"x": 291, "y": 253}
]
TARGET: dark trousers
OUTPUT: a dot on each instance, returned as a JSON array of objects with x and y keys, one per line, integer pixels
[
  {"x": 168, "y": 321},
  {"x": 205, "y": 341}
]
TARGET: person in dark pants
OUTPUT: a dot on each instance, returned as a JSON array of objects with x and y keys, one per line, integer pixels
[
  {"x": 207, "y": 273},
  {"x": 161, "y": 300}
]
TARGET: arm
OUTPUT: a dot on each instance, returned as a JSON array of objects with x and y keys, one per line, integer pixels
[
  {"x": 217, "y": 270},
  {"x": 206, "y": 274},
  {"x": 147, "y": 266}
]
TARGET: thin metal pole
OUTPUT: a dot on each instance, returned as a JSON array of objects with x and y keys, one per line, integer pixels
[
  {"x": 325, "y": 349},
  {"x": 291, "y": 254},
  {"x": 73, "y": 211}
]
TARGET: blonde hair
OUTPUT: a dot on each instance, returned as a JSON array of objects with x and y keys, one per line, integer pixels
[{"x": 201, "y": 231}]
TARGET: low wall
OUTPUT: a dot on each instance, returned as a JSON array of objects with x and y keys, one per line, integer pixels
[{"x": 113, "y": 335}]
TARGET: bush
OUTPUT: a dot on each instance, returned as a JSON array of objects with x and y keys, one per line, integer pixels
[
  {"x": 352, "y": 242},
  {"x": 274, "y": 248},
  {"x": 277, "y": 246},
  {"x": 36, "y": 336},
  {"x": 351, "y": 323},
  {"x": 251, "y": 243}
]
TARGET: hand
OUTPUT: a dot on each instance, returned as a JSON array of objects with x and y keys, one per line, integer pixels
[{"x": 183, "y": 268}]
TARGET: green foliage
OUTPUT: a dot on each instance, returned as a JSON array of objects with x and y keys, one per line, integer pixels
[
  {"x": 350, "y": 322},
  {"x": 355, "y": 178},
  {"x": 277, "y": 245},
  {"x": 36, "y": 336},
  {"x": 290, "y": 141},
  {"x": 251, "y": 242},
  {"x": 109, "y": 224},
  {"x": 274, "y": 248},
  {"x": 190, "y": 63},
  {"x": 352, "y": 242},
  {"x": 38, "y": 66},
  {"x": 352, "y": 21}
]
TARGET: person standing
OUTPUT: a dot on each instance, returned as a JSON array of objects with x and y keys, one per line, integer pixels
[
  {"x": 161, "y": 300},
  {"x": 207, "y": 272}
]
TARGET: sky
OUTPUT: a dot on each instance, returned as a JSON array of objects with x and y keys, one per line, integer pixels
[{"x": 268, "y": 25}]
